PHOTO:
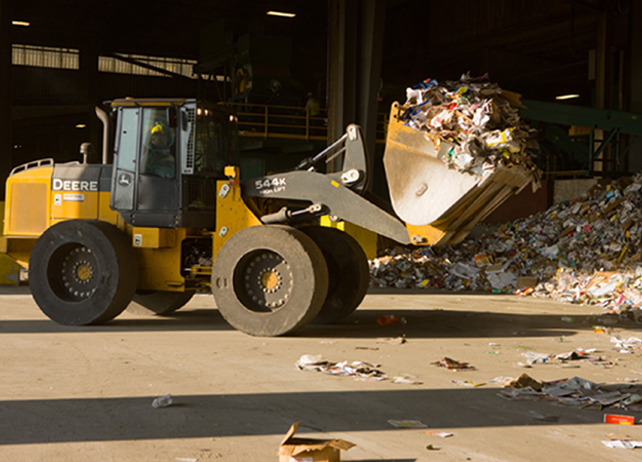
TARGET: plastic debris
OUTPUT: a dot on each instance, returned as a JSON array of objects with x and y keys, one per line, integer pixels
[
  {"x": 162, "y": 401},
  {"x": 439, "y": 433},
  {"x": 312, "y": 363},
  {"x": 626, "y": 345},
  {"x": 452, "y": 364},
  {"x": 619, "y": 419}
]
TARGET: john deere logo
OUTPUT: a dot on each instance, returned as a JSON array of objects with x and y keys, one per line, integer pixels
[
  {"x": 124, "y": 179},
  {"x": 74, "y": 185}
]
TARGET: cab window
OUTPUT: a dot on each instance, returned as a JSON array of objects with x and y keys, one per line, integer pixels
[{"x": 158, "y": 144}]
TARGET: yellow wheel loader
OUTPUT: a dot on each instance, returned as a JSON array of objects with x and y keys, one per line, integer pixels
[{"x": 166, "y": 214}]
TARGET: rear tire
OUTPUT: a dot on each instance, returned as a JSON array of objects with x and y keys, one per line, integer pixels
[
  {"x": 83, "y": 272},
  {"x": 349, "y": 274},
  {"x": 158, "y": 302},
  {"x": 269, "y": 280}
]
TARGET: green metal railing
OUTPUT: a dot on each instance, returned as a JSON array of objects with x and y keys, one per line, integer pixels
[{"x": 608, "y": 139}]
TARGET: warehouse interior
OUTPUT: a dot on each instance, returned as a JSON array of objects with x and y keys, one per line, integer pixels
[
  {"x": 62, "y": 58},
  {"x": 192, "y": 316}
]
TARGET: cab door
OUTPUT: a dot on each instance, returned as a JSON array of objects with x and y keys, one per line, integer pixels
[
  {"x": 144, "y": 183},
  {"x": 125, "y": 165}
]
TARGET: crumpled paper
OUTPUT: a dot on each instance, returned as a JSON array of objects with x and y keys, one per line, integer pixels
[{"x": 477, "y": 117}]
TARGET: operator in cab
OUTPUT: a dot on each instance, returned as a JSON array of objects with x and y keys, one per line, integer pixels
[{"x": 160, "y": 160}]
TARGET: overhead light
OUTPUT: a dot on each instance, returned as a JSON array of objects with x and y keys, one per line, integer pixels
[
  {"x": 21, "y": 23},
  {"x": 81, "y": 126},
  {"x": 281, "y": 14},
  {"x": 569, "y": 96}
]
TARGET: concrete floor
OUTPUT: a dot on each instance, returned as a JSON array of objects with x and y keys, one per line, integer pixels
[{"x": 79, "y": 394}]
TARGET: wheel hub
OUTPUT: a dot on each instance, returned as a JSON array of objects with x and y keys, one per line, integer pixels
[
  {"x": 76, "y": 271},
  {"x": 267, "y": 279},
  {"x": 271, "y": 280},
  {"x": 83, "y": 272}
]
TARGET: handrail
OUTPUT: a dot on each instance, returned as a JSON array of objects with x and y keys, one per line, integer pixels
[
  {"x": 289, "y": 122},
  {"x": 32, "y": 164}
]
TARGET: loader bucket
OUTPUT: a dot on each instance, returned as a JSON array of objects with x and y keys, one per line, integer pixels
[{"x": 440, "y": 205}]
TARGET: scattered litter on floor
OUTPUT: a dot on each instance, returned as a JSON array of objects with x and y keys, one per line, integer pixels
[
  {"x": 407, "y": 424},
  {"x": 468, "y": 383},
  {"x": 310, "y": 449},
  {"x": 408, "y": 379},
  {"x": 387, "y": 319},
  {"x": 575, "y": 392},
  {"x": 622, "y": 444},
  {"x": 562, "y": 359},
  {"x": 162, "y": 401},
  {"x": 439, "y": 433},
  {"x": 393, "y": 340},
  {"x": 360, "y": 370},
  {"x": 525, "y": 381},
  {"x": 357, "y": 369},
  {"x": 626, "y": 345},
  {"x": 430, "y": 447},
  {"x": 453, "y": 364},
  {"x": 619, "y": 419},
  {"x": 312, "y": 363}
]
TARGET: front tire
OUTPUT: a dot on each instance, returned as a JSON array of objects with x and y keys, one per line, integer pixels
[
  {"x": 349, "y": 274},
  {"x": 269, "y": 280},
  {"x": 83, "y": 272}
]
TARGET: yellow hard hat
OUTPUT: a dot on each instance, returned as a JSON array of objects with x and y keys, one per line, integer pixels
[{"x": 158, "y": 128}]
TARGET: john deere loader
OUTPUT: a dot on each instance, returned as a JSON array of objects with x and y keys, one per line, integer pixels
[{"x": 166, "y": 214}]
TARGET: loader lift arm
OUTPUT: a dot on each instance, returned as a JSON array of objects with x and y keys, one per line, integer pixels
[{"x": 336, "y": 194}]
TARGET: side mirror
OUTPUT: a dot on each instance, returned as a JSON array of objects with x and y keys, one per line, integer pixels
[
  {"x": 184, "y": 120},
  {"x": 173, "y": 117}
]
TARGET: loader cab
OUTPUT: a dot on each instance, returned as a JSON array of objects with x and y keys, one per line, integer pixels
[{"x": 168, "y": 154}]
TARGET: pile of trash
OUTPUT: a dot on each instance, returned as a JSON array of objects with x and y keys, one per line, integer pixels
[
  {"x": 584, "y": 251},
  {"x": 477, "y": 118},
  {"x": 575, "y": 392}
]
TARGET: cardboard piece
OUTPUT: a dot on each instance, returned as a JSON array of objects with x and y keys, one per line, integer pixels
[
  {"x": 294, "y": 449},
  {"x": 524, "y": 381},
  {"x": 526, "y": 281}
]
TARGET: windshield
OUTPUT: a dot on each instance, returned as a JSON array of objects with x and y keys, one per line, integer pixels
[{"x": 216, "y": 141}]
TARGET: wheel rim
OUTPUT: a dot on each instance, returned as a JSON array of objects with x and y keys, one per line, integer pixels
[
  {"x": 73, "y": 272},
  {"x": 263, "y": 281}
]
